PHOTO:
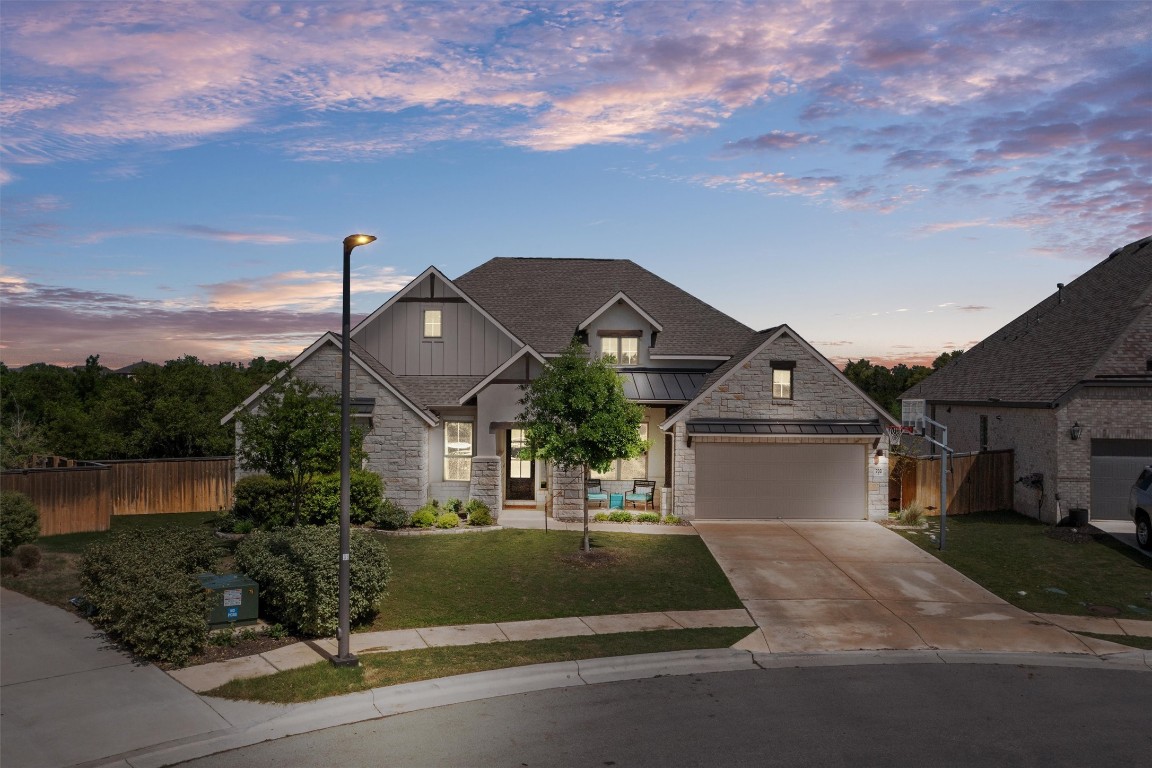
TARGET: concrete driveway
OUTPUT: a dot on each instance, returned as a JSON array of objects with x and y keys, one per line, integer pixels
[{"x": 842, "y": 586}]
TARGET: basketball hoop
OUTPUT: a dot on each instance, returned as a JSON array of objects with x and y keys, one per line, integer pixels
[{"x": 896, "y": 434}]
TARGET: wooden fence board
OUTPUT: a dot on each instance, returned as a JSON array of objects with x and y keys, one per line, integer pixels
[
  {"x": 84, "y": 498},
  {"x": 977, "y": 482}
]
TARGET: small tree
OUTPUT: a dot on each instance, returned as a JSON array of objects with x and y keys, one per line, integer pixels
[
  {"x": 294, "y": 436},
  {"x": 576, "y": 415}
]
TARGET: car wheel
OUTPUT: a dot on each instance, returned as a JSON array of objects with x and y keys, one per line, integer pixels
[{"x": 1143, "y": 530}]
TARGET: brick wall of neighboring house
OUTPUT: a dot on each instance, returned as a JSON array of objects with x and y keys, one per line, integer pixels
[
  {"x": 1104, "y": 413},
  {"x": 817, "y": 393},
  {"x": 1029, "y": 432},
  {"x": 397, "y": 445}
]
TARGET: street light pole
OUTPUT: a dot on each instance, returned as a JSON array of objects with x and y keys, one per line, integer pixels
[{"x": 344, "y": 657}]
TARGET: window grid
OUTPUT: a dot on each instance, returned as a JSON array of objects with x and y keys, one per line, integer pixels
[
  {"x": 457, "y": 450},
  {"x": 433, "y": 324}
]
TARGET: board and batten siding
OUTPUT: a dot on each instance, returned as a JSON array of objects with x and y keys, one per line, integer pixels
[{"x": 471, "y": 345}]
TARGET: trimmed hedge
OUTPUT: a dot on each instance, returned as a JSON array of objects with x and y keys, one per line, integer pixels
[
  {"x": 19, "y": 521},
  {"x": 298, "y": 572},
  {"x": 267, "y": 502},
  {"x": 140, "y": 584}
]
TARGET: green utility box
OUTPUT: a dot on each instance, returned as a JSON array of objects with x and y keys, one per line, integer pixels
[{"x": 233, "y": 599}]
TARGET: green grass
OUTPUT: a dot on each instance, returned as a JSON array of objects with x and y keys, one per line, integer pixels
[
  {"x": 377, "y": 670},
  {"x": 1011, "y": 555},
  {"x": 513, "y": 575},
  {"x": 57, "y": 578}
]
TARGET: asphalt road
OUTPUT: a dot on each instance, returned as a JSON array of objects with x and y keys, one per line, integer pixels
[{"x": 898, "y": 715}]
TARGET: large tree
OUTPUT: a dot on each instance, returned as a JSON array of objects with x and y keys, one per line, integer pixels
[
  {"x": 576, "y": 416},
  {"x": 292, "y": 435}
]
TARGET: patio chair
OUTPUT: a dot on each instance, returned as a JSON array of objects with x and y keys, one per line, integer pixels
[
  {"x": 641, "y": 493},
  {"x": 596, "y": 493}
]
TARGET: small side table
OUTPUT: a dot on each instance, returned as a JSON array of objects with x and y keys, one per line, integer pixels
[{"x": 616, "y": 501}]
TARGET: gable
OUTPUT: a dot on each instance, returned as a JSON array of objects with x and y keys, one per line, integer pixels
[
  {"x": 742, "y": 389},
  {"x": 470, "y": 342}
]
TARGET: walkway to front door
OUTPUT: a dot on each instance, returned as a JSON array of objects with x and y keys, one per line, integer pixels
[{"x": 841, "y": 586}]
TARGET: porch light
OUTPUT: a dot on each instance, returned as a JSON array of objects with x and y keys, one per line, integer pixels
[{"x": 1076, "y": 430}]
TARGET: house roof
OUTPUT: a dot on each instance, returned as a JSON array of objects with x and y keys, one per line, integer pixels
[
  {"x": 1062, "y": 341},
  {"x": 544, "y": 301},
  {"x": 767, "y": 427}
]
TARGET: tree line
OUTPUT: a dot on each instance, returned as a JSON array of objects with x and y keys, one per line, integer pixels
[
  {"x": 885, "y": 385},
  {"x": 156, "y": 412}
]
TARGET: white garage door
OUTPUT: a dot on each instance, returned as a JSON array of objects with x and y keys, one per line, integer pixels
[
  {"x": 769, "y": 481},
  {"x": 1115, "y": 466}
]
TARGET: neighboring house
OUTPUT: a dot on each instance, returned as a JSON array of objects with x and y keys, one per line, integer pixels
[
  {"x": 741, "y": 424},
  {"x": 1067, "y": 386}
]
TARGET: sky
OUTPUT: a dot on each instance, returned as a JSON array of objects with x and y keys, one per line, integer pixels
[{"x": 892, "y": 180}]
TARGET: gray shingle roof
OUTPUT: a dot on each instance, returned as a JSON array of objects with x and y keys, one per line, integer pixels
[
  {"x": 542, "y": 301},
  {"x": 1065, "y": 339},
  {"x": 439, "y": 391},
  {"x": 748, "y": 347}
]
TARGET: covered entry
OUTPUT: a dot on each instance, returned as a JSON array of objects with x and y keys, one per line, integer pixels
[
  {"x": 1115, "y": 466},
  {"x": 799, "y": 481}
]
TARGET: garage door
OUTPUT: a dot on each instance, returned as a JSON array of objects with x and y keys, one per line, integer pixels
[
  {"x": 1115, "y": 466},
  {"x": 768, "y": 481}
]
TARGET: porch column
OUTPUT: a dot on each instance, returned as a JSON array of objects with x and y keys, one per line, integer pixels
[
  {"x": 485, "y": 482},
  {"x": 566, "y": 492}
]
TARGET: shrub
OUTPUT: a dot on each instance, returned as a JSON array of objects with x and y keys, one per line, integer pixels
[
  {"x": 264, "y": 500},
  {"x": 672, "y": 520},
  {"x": 28, "y": 555},
  {"x": 298, "y": 573},
  {"x": 455, "y": 505},
  {"x": 448, "y": 520},
  {"x": 140, "y": 585},
  {"x": 425, "y": 517},
  {"x": 389, "y": 516},
  {"x": 913, "y": 514},
  {"x": 620, "y": 516},
  {"x": 322, "y": 499},
  {"x": 10, "y": 566},
  {"x": 19, "y": 521},
  {"x": 478, "y": 513},
  {"x": 601, "y": 517},
  {"x": 647, "y": 517}
]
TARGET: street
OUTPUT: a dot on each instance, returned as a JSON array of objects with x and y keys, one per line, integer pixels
[{"x": 894, "y": 715}]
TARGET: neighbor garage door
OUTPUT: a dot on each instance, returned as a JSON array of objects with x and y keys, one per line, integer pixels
[
  {"x": 769, "y": 481},
  {"x": 1115, "y": 466}
]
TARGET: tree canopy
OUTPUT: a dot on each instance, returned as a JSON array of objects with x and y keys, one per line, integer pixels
[
  {"x": 885, "y": 385},
  {"x": 155, "y": 412},
  {"x": 576, "y": 415}
]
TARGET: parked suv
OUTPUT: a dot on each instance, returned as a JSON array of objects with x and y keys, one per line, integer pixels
[{"x": 1140, "y": 507}]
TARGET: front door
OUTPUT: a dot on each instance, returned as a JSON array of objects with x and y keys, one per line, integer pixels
[{"x": 520, "y": 480}]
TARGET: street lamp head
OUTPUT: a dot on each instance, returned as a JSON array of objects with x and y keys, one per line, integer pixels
[{"x": 352, "y": 241}]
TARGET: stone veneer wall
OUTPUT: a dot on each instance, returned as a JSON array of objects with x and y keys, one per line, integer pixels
[
  {"x": 565, "y": 493},
  {"x": 817, "y": 393},
  {"x": 397, "y": 445},
  {"x": 485, "y": 482}
]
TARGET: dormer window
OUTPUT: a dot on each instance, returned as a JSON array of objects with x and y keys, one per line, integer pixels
[
  {"x": 624, "y": 350},
  {"x": 433, "y": 324}
]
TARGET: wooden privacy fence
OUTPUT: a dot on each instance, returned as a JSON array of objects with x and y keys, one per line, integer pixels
[
  {"x": 84, "y": 497},
  {"x": 977, "y": 482}
]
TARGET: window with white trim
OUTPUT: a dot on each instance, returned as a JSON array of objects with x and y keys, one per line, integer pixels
[
  {"x": 624, "y": 350},
  {"x": 433, "y": 324},
  {"x": 782, "y": 379},
  {"x": 628, "y": 469},
  {"x": 458, "y": 450}
]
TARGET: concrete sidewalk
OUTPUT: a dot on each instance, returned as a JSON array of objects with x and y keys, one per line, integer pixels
[{"x": 205, "y": 677}]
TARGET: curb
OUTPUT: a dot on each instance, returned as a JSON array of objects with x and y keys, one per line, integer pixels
[{"x": 296, "y": 719}]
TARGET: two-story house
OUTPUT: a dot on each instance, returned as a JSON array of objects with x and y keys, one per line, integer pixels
[{"x": 741, "y": 424}]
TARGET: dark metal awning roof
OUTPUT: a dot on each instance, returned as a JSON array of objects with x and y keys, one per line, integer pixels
[
  {"x": 662, "y": 386},
  {"x": 763, "y": 427}
]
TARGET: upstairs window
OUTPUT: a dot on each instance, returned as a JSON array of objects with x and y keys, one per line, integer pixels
[
  {"x": 433, "y": 324},
  {"x": 623, "y": 350},
  {"x": 782, "y": 379},
  {"x": 457, "y": 450}
]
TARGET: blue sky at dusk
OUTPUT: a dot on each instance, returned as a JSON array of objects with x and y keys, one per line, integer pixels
[{"x": 892, "y": 180}]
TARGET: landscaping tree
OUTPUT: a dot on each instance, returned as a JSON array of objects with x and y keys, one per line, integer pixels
[
  {"x": 294, "y": 436},
  {"x": 576, "y": 415}
]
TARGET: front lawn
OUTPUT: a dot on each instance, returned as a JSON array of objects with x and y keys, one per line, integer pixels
[
  {"x": 381, "y": 669},
  {"x": 1021, "y": 561},
  {"x": 515, "y": 574}
]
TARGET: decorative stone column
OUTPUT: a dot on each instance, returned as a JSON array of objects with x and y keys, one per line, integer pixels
[
  {"x": 566, "y": 492},
  {"x": 485, "y": 482}
]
